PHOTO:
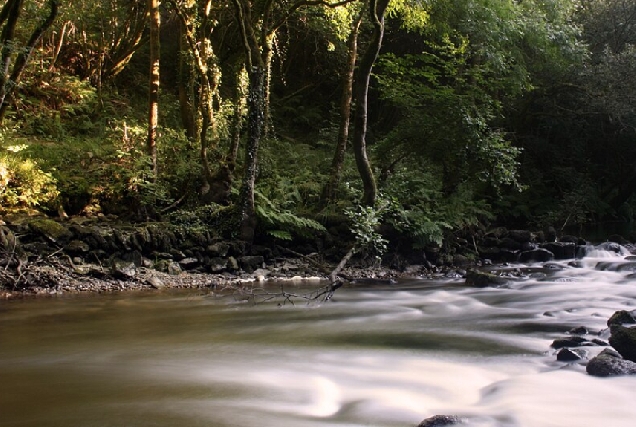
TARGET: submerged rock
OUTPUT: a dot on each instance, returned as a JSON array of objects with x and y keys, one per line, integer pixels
[
  {"x": 440, "y": 421},
  {"x": 610, "y": 363}
]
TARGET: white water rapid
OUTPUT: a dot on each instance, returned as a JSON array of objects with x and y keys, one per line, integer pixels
[{"x": 376, "y": 355}]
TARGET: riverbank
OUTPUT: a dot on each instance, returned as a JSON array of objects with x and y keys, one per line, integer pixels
[{"x": 44, "y": 256}]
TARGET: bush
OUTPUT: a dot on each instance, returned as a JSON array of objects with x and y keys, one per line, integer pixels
[{"x": 24, "y": 184}]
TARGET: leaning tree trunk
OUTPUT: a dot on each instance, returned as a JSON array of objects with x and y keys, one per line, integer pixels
[
  {"x": 377, "y": 9},
  {"x": 329, "y": 192}
]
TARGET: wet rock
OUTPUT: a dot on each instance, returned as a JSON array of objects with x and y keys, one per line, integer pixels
[
  {"x": 610, "y": 247},
  {"x": 622, "y": 317},
  {"x": 624, "y": 341},
  {"x": 600, "y": 342},
  {"x": 536, "y": 255},
  {"x": 610, "y": 363},
  {"x": 569, "y": 355},
  {"x": 440, "y": 421},
  {"x": 561, "y": 250},
  {"x": 579, "y": 330},
  {"x": 568, "y": 342},
  {"x": 480, "y": 279}
]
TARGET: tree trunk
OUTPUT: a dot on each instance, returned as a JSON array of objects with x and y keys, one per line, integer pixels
[
  {"x": 186, "y": 93},
  {"x": 377, "y": 9},
  {"x": 255, "y": 125},
  {"x": 329, "y": 192},
  {"x": 153, "y": 107},
  {"x": 9, "y": 17}
]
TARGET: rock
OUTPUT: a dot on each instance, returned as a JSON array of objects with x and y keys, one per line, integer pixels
[
  {"x": 216, "y": 264},
  {"x": 440, "y": 421},
  {"x": 600, "y": 342},
  {"x": 249, "y": 263},
  {"x": 624, "y": 341},
  {"x": 189, "y": 263},
  {"x": 8, "y": 241},
  {"x": 536, "y": 255},
  {"x": 610, "y": 247},
  {"x": 155, "y": 282},
  {"x": 77, "y": 247},
  {"x": 219, "y": 249},
  {"x": 568, "y": 342},
  {"x": 561, "y": 250},
  {"x": 622, "y": 317},
  {"x": 232, "y": 264},
  {"x": 168, "y": 266},
  {"x": 610, "y": 363},
  {"x": 480, "y": 279},
  {"x": 579, "y": 330},
  {"x": 123, "y": 269},
  {"x": 521, "y": 236},
  {"x": 50, "y": 229},
  {"x": 568, "y": 355}
]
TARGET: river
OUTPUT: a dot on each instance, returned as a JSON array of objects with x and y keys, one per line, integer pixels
[{"x": 375, "y": 355}]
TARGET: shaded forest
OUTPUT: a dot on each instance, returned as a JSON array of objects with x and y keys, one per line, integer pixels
[{"x": 388, "y": 122}]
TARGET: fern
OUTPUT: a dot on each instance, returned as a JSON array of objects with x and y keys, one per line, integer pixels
[{"x": 282, "y": 223}]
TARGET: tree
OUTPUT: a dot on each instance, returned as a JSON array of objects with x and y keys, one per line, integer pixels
[
  {"x": 153, "y": 99},
  {"x": 377, "y": 9},
  {"x": 8, "y": 20},
  {"x": 346, "y": 99}
]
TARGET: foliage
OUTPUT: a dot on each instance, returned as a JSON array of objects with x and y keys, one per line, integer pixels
[
  {"x": 364, "y": 224},
  {"x": 282, "y": 223},
  {"x": 23, "y": 183}
]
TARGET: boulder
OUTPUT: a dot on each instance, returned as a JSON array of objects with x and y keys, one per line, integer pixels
[
  {"x": 216, "y": 264},
  {"x": 481, "y": 279},
  {"x": 561, "y": 250},
  {"x": 536, "y": 255},
  {"x": 440, "y": 421},
  {"x": 624, "y": 341},
  {"x": 622, "y": 317},
  {"x": 249, "y": 263},
  {"x": 610, "y": 363},
  {"x": 50, "y": 229},
  {"x": 521, "y": 236}
]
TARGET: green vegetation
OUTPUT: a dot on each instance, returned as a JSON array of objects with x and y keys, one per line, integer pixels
[{"x": 477, "y": 112}]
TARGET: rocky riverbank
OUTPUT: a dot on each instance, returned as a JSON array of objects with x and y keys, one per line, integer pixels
[{"x": 45, "y": 256}]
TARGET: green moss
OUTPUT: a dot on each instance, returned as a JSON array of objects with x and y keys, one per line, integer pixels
[{"x": 49, "y": 228}]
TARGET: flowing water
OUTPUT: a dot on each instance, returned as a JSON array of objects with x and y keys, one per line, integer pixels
[{"x": 376, "y": 355}]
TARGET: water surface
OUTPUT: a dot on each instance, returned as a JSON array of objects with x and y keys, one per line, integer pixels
[{"x": 373, "y": 356}]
